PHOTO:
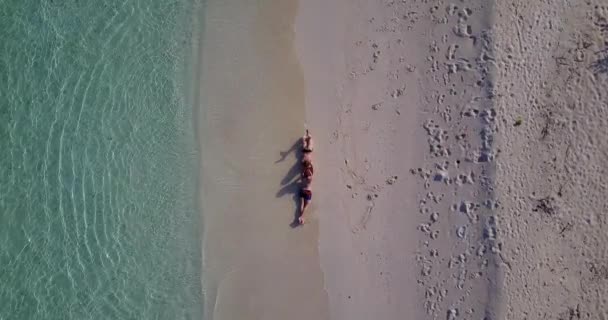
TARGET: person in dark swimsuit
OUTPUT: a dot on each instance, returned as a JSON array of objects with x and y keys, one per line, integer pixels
[
  {"x": 305, "y": 199},
  {"x": 307, "y": 172}
]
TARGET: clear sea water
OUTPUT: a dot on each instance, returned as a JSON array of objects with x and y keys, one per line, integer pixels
[{"x": 98, "y": 161}]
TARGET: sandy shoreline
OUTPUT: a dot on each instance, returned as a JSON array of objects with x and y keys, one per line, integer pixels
[
  {"x": 255, "y": 265},
  {"x": 460, "y": 159},
  {"x": 364, "y": 254}
]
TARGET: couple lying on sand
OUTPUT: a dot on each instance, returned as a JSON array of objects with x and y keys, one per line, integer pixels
[{"x": 306, "y": 175}]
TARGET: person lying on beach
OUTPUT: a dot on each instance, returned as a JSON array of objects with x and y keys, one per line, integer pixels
[
  {"x": 305, "y": 199},
  {"x": 307, "y": 169},
  {"x": 307, "y": 145}
]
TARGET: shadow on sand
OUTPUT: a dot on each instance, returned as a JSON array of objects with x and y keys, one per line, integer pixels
[
  {"x": 600, "y": 65},
  {"x": 291, "y": 184}
]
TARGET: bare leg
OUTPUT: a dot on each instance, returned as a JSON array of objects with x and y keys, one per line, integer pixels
[{"x": 302, "y": 210}]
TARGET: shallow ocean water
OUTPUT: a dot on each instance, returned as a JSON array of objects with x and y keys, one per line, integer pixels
[{"x": 98, "y": 215}]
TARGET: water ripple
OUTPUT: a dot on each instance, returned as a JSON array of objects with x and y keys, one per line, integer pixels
[{"x": 94, "y": 162}]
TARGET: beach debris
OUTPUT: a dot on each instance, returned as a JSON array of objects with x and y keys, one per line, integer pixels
[
  {"x": 545, "y": 205},
  {"x": 565, "y": 228},
  {"x": 376, "y": 106},
  {"x": 518, "y": 122},
  {"x": 550, "y": 123}
]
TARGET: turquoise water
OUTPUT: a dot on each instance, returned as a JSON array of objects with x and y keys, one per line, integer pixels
[{"x": 98, "y": 161}]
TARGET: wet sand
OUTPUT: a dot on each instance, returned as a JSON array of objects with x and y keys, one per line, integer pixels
[{"x": 256, "y": 266}]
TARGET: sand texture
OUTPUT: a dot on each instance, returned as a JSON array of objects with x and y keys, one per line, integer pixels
[
  {"x": 460, "y": 159},
  {"x": 551, "y": 98},
  {"x": 256, "y": 266},
  {"x": 462, "y": 156}
]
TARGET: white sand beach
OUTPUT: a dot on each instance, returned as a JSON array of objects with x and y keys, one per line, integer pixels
[
  {"x": 460, "y": 160},
  {"x": 256, "y": 266}
]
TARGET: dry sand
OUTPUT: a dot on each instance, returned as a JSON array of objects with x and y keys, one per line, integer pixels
[
  {"x": 551, "y": 59},
  {"x": 462, "y": 156},
  {"x": 398, "y": 154},
  {"x": 460, "y": 161}
]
